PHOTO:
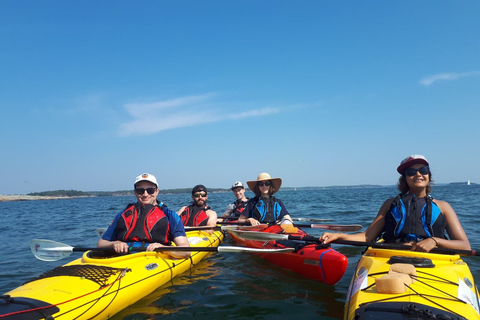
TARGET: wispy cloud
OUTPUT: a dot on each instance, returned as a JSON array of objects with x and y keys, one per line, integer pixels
[
  {"x": 150, "y": 118},
  {"x": 447, "y": 76}
]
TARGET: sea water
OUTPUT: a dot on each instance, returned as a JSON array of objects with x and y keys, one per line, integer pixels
[{"x": 226, "y": 285}]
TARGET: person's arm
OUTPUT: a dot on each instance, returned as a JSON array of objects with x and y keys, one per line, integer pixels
[
  {"x": 368, "y": 235},
  {"x": 181, "y": 210},
  {"x": 458, "y": 237},
  {"x": 108, "y": 239},
  {"x": 227, "y": 212},
  {"x": 284, "y": 215},
  {"x": 177, "y": 232},
  {"x": 252, "y": 221},
  {"x": 212, "y": 218},
  {"x": 246, "y": 214}
]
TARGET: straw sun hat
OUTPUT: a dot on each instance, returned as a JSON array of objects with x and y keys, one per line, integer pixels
[{"x": 276, "y": 182}]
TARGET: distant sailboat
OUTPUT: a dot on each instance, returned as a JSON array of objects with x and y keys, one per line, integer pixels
[{"x": 468, "y": 182}]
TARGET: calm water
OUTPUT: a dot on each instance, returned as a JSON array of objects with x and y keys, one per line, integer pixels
[{"x": 226, "y": 285}]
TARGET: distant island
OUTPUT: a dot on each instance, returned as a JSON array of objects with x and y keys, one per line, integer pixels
[
  {"x": 67, "y": 194},
  {"x": 76, "y": 193}
]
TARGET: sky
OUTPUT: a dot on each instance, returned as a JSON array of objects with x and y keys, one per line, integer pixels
[{"x": 318, "y": 93}]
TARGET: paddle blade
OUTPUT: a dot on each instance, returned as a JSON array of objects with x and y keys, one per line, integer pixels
[
  {"x": 338, "y": 227},
  {"x": 48, "y": 250},
  {"x": 258, "y": 236}
]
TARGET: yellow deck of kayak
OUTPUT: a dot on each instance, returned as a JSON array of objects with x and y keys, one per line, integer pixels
[
  {"x": 448, "y": 286},
  {"x": 101, "y": 287}
]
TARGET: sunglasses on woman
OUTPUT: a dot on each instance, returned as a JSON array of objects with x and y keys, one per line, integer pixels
[
  {"x": 141, "y": 191},
  {"x": 410, "y": 172},
  {"x": 266, "y": 183}
]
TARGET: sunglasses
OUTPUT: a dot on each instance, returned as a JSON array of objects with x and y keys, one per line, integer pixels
[
  {"x": 266, "y": 183},
  {"x": 141, "y": 191},
  {"x": 409, "y": 172},
  {"x": 199, "y": 194}
]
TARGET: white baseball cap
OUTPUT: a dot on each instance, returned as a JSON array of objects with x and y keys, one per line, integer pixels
[
  {"x": 146, "y": 177},
  {"x": 237, "y": 184}
]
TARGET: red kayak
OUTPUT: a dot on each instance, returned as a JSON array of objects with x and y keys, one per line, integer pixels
[{"x": 309, "y": 259}]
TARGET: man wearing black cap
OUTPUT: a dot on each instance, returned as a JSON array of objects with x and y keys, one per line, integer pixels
[{"x": 198, "y": 213}]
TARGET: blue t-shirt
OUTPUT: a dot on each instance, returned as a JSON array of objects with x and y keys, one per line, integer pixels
[{"x": 176, "y": 225}]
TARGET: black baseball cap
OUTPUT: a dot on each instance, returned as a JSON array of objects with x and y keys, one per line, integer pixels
[{"x": 198, "y": 188}]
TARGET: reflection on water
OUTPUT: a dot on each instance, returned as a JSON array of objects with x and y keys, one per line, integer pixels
[{"x": 226, "y": 285}]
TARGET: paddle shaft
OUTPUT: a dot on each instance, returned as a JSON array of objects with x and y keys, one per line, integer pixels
[
  {"x": 381, "y": 245},
  {"x": 165, "y": 248},
  {"x": 333, "y": 227},
  {"x": 293, "y": 219}
]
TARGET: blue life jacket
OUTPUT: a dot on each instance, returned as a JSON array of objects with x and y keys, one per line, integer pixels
[
  {"x": 405, "y": 221},
  {"x": 267, "y": 211}
]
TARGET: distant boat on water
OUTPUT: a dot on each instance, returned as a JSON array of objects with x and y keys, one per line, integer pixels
[{"x": 468, "y": 183}]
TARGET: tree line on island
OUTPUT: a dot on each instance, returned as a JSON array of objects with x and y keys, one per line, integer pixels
[{"x": 78, "y": 193}]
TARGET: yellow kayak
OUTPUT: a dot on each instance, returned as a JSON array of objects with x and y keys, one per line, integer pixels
[
  {"x": 394, "y": 284},
  {"x": 97, "y": 286}
]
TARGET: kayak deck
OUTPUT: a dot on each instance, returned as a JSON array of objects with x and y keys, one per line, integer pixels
[
  {"x": 440, "y": 286},
  {"x": 310, "y": 260},
  {"x": 98, "y": 286}
]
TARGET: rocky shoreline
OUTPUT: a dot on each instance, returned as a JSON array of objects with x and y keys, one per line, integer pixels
[{"x": 21, "y": 197}]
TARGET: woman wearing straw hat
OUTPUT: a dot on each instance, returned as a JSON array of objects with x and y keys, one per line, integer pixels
[{"x": 265, "y": 208}]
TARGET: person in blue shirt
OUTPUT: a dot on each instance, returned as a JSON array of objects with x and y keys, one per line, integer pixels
[
  {"x": 265, "y": 208},
  {"x": 146, "y": 223}
]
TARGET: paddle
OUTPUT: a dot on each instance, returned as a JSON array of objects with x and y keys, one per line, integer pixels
[
  {"x": 100, "y": 231},
  {"x": 311, "y": 219},
  {"x": 261, "y": 236},
  {"x": 333, "y": 227},
  {"x": 293, "y": 219},
  {"x": 48, "y": 250}
]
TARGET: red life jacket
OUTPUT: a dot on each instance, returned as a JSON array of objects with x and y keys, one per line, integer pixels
[
  {"x": 239, "y": 206},
  {"x": 193, "y": 218},
  {"x": 146, "y": 223}
]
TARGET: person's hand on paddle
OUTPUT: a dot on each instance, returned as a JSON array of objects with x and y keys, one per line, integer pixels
[
  {"x": 120, "y": 247},
  {"x": 153, "y": 246},
  {"x": 328, "y": 237},
  {"x": 425, "y": 245},
  {"x": 253, "y": 222}
]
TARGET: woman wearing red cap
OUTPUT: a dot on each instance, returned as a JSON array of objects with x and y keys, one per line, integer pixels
[{"x": 413, "y": 217}]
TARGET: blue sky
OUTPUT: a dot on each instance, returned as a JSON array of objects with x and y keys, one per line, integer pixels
[{"x": 319, "y": 93}]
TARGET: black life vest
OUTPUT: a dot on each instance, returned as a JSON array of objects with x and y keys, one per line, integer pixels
[
  {"x": 143, "y": 223},
  {"x": 411, "y": 218},
  {"x": 194, "y": 216},
  {"x": 267, "y": 210},
  {"x": 238, "y": 207}
]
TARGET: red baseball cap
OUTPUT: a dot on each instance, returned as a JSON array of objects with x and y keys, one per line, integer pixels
[{"x": 410, "y": 161}]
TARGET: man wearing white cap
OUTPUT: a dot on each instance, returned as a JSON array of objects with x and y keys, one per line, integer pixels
[
  {"x": 146, "y": 223},
  {"x": 235, "y": 209}
]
